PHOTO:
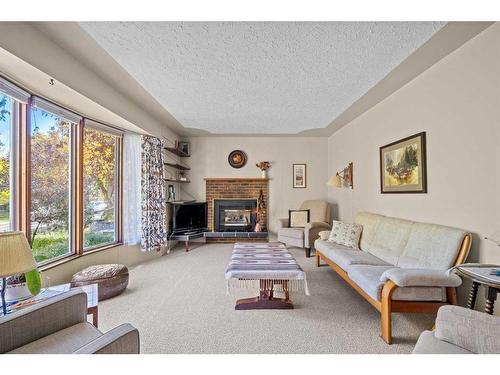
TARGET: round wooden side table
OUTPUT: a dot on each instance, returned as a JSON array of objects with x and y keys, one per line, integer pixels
[{"x": 485, "y": 275}]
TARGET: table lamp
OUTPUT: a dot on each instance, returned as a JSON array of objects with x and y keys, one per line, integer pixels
[{"x": 15, "y": 258}]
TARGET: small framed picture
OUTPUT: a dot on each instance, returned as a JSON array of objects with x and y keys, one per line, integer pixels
[
  {"x": 299, "y": 176},
  {"x": 403, "y": 166},
  {"x": 184, "y": 147},
  {"x": 298, "y": 218}
]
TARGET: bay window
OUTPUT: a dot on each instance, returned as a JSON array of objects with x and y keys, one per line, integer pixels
[{"x": 60, "y": 176}]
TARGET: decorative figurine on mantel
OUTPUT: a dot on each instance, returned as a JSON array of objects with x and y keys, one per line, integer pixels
[
  {"x": 263, "y": 166},
  {"x": 260, "y": 213}
]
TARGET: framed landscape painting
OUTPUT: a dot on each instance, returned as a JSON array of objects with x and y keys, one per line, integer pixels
[
  {"x": 403, "y": 166},
  {"x": 299, "y": 176}
]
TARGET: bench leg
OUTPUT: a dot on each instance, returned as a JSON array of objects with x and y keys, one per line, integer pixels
[{"x": 386, "y": 311}]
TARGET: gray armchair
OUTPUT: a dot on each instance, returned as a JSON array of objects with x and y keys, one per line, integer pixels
[
  {"x": 304, "y": 237},
  {"x": 59, "y": 326},
  {"x": 461, "y": 331}
]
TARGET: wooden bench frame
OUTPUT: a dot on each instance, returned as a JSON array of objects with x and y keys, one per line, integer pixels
[{"x": 386, "y": 306}]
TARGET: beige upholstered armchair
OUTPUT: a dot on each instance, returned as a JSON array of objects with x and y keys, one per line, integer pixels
[
  {"x": 319, "y": 220},
  {"x": 461, "y": 331},
  {"x": 59, "y": 325}
]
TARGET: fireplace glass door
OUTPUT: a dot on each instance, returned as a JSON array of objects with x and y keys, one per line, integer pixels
[{"x": 234, "y": 215}]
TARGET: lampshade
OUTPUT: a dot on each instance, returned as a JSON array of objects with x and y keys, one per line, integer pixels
[
  {"x": 15, "y": 254},
  {"x": 335, "y": 181}
]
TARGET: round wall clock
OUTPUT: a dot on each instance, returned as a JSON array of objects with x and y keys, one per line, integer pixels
[{"x": 237, "y": 159}]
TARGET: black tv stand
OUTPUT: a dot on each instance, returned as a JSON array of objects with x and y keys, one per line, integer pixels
[{"x": 187, "y": 236}]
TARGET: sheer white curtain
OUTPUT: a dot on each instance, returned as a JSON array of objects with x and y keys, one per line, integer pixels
[{"x": 132, "y": 188}]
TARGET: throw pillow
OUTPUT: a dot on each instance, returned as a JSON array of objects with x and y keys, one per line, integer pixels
[
  {"x": 345, "y": 234},
  {"x": 298, "y": 218}
]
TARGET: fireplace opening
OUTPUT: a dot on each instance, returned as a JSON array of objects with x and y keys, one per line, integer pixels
[
  {"x": 234, "y": 215},
  {"x": 236, "y": 218}
]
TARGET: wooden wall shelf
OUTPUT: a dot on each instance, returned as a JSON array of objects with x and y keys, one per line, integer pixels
[
  {"x": 177, "y": 152},
  {"x": 178, "y": 181},
  {"x": 178, "y": 166}
]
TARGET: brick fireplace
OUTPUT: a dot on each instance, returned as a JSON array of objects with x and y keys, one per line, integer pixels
[{"x": 230, "y": 202}]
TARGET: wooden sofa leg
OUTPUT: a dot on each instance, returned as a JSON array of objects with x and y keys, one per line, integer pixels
[
  {"x": 308, "y": 252},
  {"x": 318, "y": 260},
  {"x": 386, "y": 311},
  {"x": 451, "y": 296}
]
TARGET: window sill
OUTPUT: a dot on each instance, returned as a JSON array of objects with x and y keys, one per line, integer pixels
[{"x": 71, "y": 257}]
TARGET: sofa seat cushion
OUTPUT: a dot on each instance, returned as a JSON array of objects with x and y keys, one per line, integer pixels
[
  {"x": 367, "y": 277},
  {"x": 428, "y": 344},
  {"x": 344, "y": 256},
  {"x": 297, "y": 233},
  {"x": 65, "y": 341}
]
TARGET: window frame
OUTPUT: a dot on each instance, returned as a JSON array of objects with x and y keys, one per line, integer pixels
[
  {"x": 13, "y": 160},
  {"x": 72, "y": 182},
  {"x": 90, "y": 124},
  {"x": 21, "y": 148}
]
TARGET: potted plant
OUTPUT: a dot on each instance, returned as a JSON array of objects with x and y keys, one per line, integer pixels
[{"x": 23, "y": 286}]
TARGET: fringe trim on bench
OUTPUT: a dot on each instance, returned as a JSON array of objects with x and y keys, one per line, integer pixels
[{"x": 298, "y": 285}]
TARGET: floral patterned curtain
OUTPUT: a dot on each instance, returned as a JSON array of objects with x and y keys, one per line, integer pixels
[{"x": 154, "y": 221}]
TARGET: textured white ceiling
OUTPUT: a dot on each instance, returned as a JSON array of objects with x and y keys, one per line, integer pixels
[{"x": 259, "y": 77}]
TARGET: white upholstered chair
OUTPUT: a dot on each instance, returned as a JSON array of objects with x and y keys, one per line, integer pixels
[{"x": 319, "y": 220}]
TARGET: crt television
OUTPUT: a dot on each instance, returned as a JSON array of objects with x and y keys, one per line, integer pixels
[{"x": 190, "y": 216}]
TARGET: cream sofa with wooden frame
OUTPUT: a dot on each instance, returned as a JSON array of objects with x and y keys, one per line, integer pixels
[{"x": 401, "y": 265}]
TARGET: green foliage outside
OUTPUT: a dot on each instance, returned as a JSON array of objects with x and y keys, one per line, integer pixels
[
  {"x": 54, "y": 244},
  {"x": 4, "y": 163}
]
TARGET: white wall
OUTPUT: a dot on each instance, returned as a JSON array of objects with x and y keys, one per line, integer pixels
[
  {"x": 457, "y": 102},
  {"x": 209, "y": 159}
]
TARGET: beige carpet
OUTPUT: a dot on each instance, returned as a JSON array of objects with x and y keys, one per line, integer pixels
[{"x": 179, "y": 304}]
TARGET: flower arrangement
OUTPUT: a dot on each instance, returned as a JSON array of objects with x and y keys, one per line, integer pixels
[{"x": 263, "y": 165}]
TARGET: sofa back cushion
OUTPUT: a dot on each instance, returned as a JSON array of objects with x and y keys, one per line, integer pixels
[
  {"x": 409, "y": 244},
  {"x": 431, "y": 246},
  {"x": 383, "y": 236},
  {"x": 370, "y": 223},
  {"x": 318, "y": 210}
]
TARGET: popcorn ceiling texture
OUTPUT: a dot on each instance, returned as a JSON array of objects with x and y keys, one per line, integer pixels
[{"x": 259, "y": 77}]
